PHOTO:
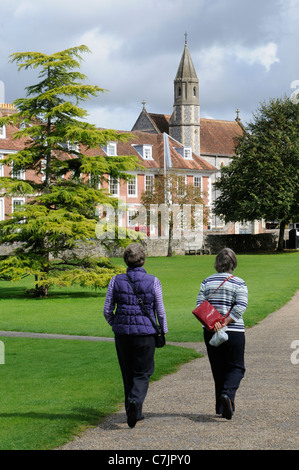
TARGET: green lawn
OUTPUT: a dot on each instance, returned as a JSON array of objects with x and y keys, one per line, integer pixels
[
  {"x": 52, "y": 389},
  {"x": 272, "y": 280}
]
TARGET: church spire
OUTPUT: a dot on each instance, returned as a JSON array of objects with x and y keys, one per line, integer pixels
[
  {"x": 186, "y": 68},
  {"x": 185, "y": 120}
]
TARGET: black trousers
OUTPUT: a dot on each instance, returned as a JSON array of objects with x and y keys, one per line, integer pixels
[
  {"x": 136, "y": 360},
  {"x": 227, "y": 364}
]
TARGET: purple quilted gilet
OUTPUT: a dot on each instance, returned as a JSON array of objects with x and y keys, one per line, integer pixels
[{"x": 129, "y": 318}]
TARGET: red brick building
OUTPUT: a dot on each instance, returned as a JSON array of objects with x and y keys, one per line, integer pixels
[{"x": 194, "y": 147}]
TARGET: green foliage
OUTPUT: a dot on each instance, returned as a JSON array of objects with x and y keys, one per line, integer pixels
[
  {"x": 61, "y": 209},
  {"x": 262, "y": 181}
]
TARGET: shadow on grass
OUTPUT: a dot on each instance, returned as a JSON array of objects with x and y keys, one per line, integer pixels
[
  {"x": 85, "y": 415},
  {"x": 18, "y": 292}
]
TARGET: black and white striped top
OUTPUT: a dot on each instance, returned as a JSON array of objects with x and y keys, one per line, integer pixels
[{"x": 233, "y": 291}]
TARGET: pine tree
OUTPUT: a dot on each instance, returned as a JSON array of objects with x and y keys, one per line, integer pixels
[{"x": 61, "y": 147}]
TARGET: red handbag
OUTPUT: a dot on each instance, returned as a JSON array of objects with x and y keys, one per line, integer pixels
[{"x": 209, "y": 315}]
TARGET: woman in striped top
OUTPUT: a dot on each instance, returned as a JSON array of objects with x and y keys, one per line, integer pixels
[{"x": 226, "y": 360}]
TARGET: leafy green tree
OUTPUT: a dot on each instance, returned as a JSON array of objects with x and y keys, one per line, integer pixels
[
  {"x": 62, "y": 149},
  {"x": 171, "y": 192},
  {"x": 261, "y": 182}
]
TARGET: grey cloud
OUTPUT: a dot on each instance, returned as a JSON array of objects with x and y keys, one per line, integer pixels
[{"x": 137, "y": 45}]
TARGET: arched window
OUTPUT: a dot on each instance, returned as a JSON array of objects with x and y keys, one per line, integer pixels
[
  {"x": 194, "y": 91},
  {"x": 179, "y": 91}
]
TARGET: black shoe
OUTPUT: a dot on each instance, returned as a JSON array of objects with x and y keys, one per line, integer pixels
[
  {"x": 132, "y": 414},
  {"x": 227, "y": 406}
]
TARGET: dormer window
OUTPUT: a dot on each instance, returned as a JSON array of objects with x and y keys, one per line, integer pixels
[
  {"x": 72, "y": 146},
  {"x": 185, "y": 152},
  {"x": 2, "y": 132},
  {"x": 111, "y": 149},
  {"x": 188, "y": 153},
  {"x": 145, "y": 151}
]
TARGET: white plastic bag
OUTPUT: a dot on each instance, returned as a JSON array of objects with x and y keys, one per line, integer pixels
[{"x": 219, "y": 337}]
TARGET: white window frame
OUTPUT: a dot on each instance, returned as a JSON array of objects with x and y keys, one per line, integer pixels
[
  {"x": 2, "y": 132},
  {"x": 150, "y": 184},
  {"x": 113, "y": 187},
  {"x": 1, "y": 166},
  {"x": 199, "y": 183},
  {"x": 180, "y": 191},
  {"x": 111, "y": 149},
  {"x": 148, "y": 152},
  {"x": 17, "y": 199},
  {"x": 2, "y": 208},
  {"x": 72, "y": 146},
  {"x": 187, "y": 153},
  {"x": 132, "y": 186},
  {"x": 20, "y": 174}
]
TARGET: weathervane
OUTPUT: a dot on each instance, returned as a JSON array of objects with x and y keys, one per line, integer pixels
[{"x": 186, "y": 37}]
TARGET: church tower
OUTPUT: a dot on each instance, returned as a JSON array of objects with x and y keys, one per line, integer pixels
[{"x": 184, "y": 124}]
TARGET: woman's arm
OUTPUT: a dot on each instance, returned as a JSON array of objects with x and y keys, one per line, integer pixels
[
  {"x": 109, "y": 304},
  {"x": 159, "y": 305}
]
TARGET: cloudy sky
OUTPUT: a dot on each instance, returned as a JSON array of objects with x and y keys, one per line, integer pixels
[{"x": 244, "y": 51}]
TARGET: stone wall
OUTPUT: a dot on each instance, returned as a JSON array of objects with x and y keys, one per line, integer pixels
[
  {"x": 212, "y": 243},
  {"x": 243, "y": 243}
]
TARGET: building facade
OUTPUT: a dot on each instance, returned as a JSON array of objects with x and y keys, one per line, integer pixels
[
  {"x": 182, "y": 142},
  {"x": 211, "y": 140}
]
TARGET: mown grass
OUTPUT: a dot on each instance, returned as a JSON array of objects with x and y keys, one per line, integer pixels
[
  {"x": 51, "y": 389},
  {"x": 272, "y": 279}
]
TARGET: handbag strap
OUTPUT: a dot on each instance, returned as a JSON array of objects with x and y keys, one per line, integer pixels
[
  {"x": 229, "y": 277},
  {"x": 141, "y": 304}
]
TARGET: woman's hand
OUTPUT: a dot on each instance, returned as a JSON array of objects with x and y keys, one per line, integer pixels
[
  {"x": 218, "y": 326},
  {"x": 225, "y": 322}
]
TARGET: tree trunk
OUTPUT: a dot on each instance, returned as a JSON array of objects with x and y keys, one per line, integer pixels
[
  {"x": 282, "y": 226},
  {"x": 40, "y": 291},
  {"x": 170, "y": 235}
]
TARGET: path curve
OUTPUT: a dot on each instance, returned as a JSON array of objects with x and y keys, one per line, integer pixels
[{"x": 179, "y": 408}]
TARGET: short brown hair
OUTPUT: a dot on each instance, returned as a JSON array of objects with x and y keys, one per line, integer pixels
[
  {"x": 226, "y": 261},
  {"x": 134, "y": 255}
]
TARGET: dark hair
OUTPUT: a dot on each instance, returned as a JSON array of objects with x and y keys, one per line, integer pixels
[
  {"x": 134, "y": 255},
  {"x": 226, "y": 261}
]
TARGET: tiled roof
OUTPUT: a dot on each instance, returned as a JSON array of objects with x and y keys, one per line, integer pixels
[
  {"x": 216, "y": 137},
  {"x": 164, "y": 148},
  {"x": 158, "y": 152},
  {"x": 219, "y": 137},
  {"x": 156, "y": 141},
  {"x": 9, "y": 143}
]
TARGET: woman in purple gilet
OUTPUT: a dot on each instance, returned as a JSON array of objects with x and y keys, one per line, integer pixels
[{"x": 134, "y": 332}]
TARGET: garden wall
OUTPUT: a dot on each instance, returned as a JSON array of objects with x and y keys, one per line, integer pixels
[
  {"x": 212, "y": 243},
  {"x": 241, "y": 243}
]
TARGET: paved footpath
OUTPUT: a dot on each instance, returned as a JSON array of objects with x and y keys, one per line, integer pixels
[{"x": 179, "y": 408}]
